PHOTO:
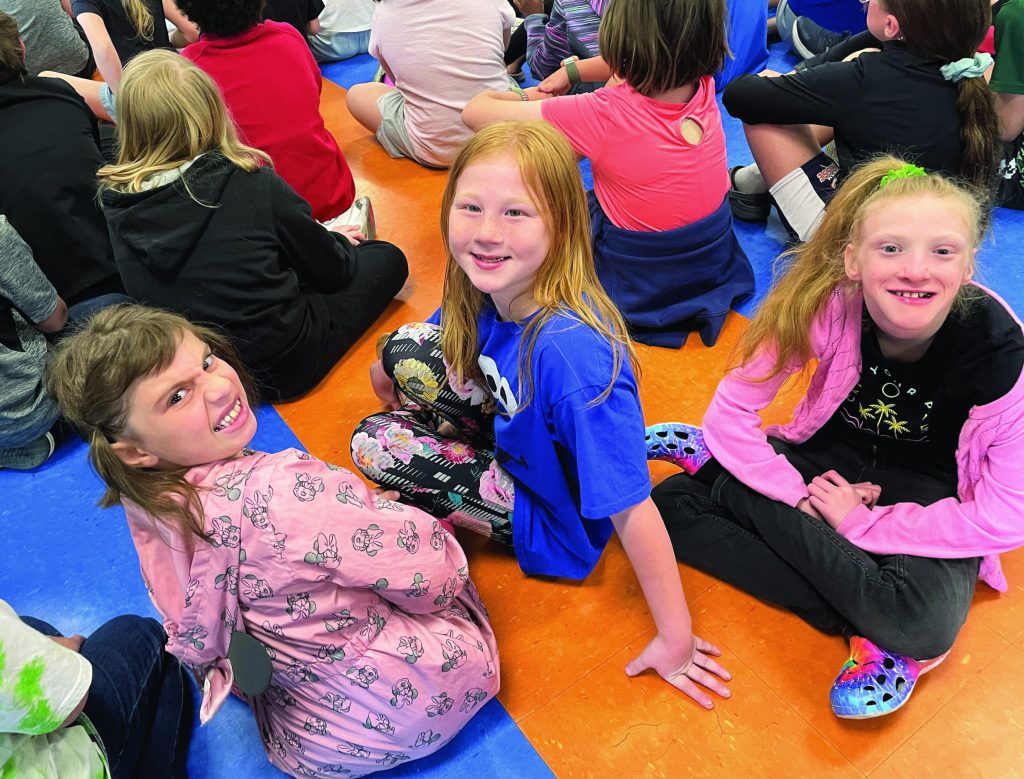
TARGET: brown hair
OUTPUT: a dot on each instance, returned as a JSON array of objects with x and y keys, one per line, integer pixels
[
  {"x": 169, "y": 112},
  {"x": 12, "y": 64},
  {"x": 807, "y": 276},
  {"x": 949, "y": 30},
  {"x": 566, "y": 282},
  {"x": 90, "y": 377},
  {"x": 656, "y": 45}
]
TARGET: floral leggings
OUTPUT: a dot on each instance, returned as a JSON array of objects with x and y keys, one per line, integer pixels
[{"x": 438, "y": 449}]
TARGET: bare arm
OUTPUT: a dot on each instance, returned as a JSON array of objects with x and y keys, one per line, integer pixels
[
  {"x": 107, "y": 60},
  {"x": 313, "y": 27},
  {"x": 1010, "y": 108},
  {"x": 678, "y": 656},
  {"x": 490, "y": 107},
  {"x": 186, "y": 28}
]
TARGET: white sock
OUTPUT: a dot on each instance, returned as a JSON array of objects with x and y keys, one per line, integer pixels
[{"x": 748, "y": 180}]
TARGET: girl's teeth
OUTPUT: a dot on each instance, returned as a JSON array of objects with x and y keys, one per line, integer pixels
[
  {"x": 230, "y": 417},
  {"x": 914, "y": 294}
]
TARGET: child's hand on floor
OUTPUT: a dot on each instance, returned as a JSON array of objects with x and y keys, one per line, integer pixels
[
  {"x": 833, "y": 497},
  {"x": 689, "y": 668},
  {"x": 353, "y": 233}
]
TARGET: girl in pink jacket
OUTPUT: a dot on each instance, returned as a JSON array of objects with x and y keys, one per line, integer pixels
[
  {"x": 898, "y": 481},
  {"x": 348, "y": 621}
]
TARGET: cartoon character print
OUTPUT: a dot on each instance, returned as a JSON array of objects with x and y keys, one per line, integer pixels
[
  {"x": 337, "y": 702},
  {"x": 393, "y": 758},
  {"x": 375, "y": 622},
  {"x": 389, "y": 505},
  {"x": 300, "y": 606},
  {"x": 303, "y": 770},
  {"x": 334, "y": 768},
  {"x": 362, "y": 676},
  {"x": 230, "y": 619},
  {"x": 339, "y": 620},
  {"x": 228, "y": 580},
  {"x": 279, "y": 696},
  {"x": 379, "y": 722},
  {"x": 408, "y": 538},
  {"x": 438, "y": 537},
  {"x": 425, "y": 739},
  {"x": 227, "y": 486},
  {"x": 325, "y": 552},
  {"x": 448, "y": 591},
  {"x": 346, "y": 494},
  {"x": 419, "y": 587},
  {"x": 190, "y": 591},
  {"x": 330, "y": 654},
  {"x": 473, "y": 698},
  {"x": 403, "y": 693},
  {"x": 316, "y": 726},
  {"x": 411, "y": 648},
  {"x": 276, "y": 744},
  {"x": 255, "y": 588},
  {"x": 454, "y": 655},
  {"x": 440, "y": 705},
  {"x": 294, "y": 741},
  {"x": 307, "y": 487},
  {"x": 300, "y": 673},
  {"x": 193, "y": 636},
  {"x": 257, "y": 508},
  {"x": 224, "y": 533},
  {"x": 279, "y": 539},
  {"x": 353, "y": 750},
  {"x": 367, "y": 540}
]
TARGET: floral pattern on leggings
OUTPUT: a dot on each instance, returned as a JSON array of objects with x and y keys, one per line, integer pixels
[{"x": 438, "y": 449}]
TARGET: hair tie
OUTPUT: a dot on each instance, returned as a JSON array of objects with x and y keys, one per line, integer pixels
[
  {"x": 968, "y": 67},
  {"x": 906, "y": 172}
]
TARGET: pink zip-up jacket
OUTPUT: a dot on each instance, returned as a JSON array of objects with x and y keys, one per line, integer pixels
[
  {"x": 381, "y": 651},
  {"x": 986, "y": 518}
]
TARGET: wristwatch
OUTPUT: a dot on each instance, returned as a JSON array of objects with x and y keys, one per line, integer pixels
[{"x": 572, "y": 70}]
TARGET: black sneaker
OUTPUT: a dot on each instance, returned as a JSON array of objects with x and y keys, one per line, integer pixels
[
  {"x": 810, "y": 39},
  {"x": 748, "y": 206},
  {"x": 29, "y": 456}
]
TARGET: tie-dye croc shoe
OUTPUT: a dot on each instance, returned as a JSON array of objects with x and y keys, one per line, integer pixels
[
  {"x": 875, "y": 682},
  {"x": 677, "y": 443}
]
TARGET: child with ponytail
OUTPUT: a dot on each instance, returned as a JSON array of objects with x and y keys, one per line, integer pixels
[{"x": 897, "y": 483}]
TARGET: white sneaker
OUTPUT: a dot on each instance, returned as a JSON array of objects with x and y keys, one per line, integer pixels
[{"x": 359, "y": 213}]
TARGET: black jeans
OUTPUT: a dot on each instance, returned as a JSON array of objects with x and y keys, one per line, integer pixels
[
  {"x": 139, "y": 699},
  {"x": 909, "y": 605}
]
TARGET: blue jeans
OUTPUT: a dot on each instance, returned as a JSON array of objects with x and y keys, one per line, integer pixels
[{"x": 139, "y": 700}]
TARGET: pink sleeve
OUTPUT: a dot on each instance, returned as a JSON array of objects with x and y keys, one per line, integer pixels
[
  {"x": 333, "y": 523},
  {"x": 734, "y": 434},
  {"x": 990, "y": 523},
  {"x": 579, "y": 118}
]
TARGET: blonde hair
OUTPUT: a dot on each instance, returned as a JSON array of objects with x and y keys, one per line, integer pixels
[
  {"x": 566, "y": 282},
  {"x": 170, "y": 112},
  {"x": 90, "y": 378},
  {"x": 807, "y": 276},
  {"x": 140, "y": 17}
]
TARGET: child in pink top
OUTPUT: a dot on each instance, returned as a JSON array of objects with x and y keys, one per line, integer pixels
[
  {"x": 379, "y": 649},
  {"x": 663, "y": 245},
  {"x": 898, "y": 481}
]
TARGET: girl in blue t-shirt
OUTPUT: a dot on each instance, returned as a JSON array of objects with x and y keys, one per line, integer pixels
[{"x": 518, "y": 415}]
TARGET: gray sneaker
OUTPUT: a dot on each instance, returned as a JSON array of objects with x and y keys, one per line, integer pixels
[{"x": 29, "y": 456}]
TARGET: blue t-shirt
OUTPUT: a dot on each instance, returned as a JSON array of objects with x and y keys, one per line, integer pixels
[
  {"x": 574, "y": 464},
  {"x": 834, "y": 15}
]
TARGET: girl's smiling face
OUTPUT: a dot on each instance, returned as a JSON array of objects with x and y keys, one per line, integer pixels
[
  {"x": 194, "y": 411},
  {"x": 911, "y": 256},
  {"x": 497, "y": 234}
]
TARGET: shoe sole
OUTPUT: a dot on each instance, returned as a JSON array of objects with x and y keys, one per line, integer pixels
[{"x": 748, "y": 206}]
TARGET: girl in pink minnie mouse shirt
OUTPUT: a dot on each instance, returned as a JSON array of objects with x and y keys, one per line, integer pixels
[{"x": 380, "y": 651}]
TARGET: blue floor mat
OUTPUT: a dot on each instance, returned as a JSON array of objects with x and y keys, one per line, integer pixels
[{"x": 73, "y": 564}]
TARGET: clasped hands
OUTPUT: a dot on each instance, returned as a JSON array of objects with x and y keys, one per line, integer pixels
[{"x": 832, "y": 497}]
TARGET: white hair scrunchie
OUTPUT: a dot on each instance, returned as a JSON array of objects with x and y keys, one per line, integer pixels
[{"x": 968, "y": 67}]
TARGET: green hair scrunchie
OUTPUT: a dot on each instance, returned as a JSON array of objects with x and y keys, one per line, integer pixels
[{"x": 906, "y": 172}]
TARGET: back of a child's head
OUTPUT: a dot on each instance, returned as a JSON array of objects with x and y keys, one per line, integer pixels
[
  {"x": 807, "y": 276},
  {"x": 169, "y": 112},
  {"x": 223, "y": 18},
  {"x": 141, "y": 18},
  {"x": 12, "y": 63},
  {"x": 656, "y": 45},
  {"x": 91, "y": 377},
  {"x": 566, "y": 280},
  {"x": 951, "y": 31}
]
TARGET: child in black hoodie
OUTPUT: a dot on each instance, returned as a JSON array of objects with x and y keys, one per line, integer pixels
[{"x": 201, "y": 225}]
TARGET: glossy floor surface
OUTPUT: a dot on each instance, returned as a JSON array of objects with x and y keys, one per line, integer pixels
[{"x": 566, "y": 707}]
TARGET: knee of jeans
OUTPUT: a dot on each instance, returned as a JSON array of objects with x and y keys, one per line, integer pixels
[{"x": 921, "y": 639}]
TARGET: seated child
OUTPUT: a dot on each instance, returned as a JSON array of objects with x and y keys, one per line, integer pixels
[
  {"x": 662, "y": 234},
  {"x": 343, "y": 31},
  {"x": 202, "y": 225},
  {"x": 922, "y": 96},
  {"x": 30, "y": 308},
  {"x": 438, "y": 53},
  {"x": 569, "y": 31},
  {"x": 379, "y": 649},
  {"x": 897, "y": 483},
  {"x": 114, "y": 704},
  {"x": 51, "y": 40},
  {"x": 303, "y": 15},
  {"x": 271, "y": 85},
  {"x": 526, "y": 328}
]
